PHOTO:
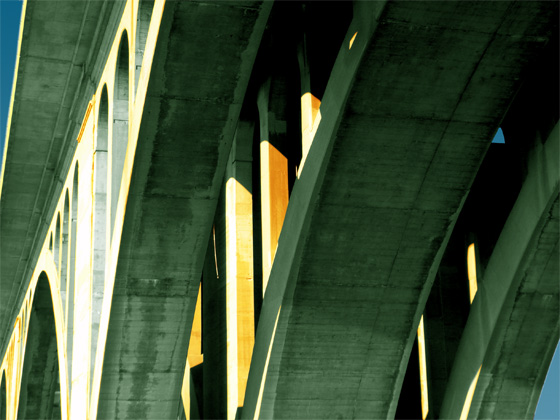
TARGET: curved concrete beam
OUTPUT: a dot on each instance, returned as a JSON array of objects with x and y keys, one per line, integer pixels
[
  {"x": 509, "y": 265},
  {"x": 303, "y": 198},
  {"x": 202, "y": 63},
  {"x": 391, "y": 163}
]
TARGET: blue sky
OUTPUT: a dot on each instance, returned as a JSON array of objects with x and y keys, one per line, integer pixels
[
  {"x": 549, "y": 403},
  {"x": 10, "y": 12}
]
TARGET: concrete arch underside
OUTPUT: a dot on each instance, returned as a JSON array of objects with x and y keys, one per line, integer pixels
[
  {"x": 368, "y": 222},
  {"x": 513, "y": 327},
  {"x": 178, "y": 169}
]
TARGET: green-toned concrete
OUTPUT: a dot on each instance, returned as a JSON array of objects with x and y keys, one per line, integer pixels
[
  {"x": 407, "y": 117},
  {"x": 515, "y": 313},
  {"x": 202, "y": 65},
  {"x": 404, "y": 129},
  {"x": 63, "y": 50}
]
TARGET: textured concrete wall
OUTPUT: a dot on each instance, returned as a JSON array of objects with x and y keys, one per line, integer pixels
[{"x": 402, "y": 101}]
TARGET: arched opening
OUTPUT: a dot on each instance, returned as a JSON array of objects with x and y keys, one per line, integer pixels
[
  {"x": 64, "y": 256},
  {"x": 40, "y": 382},
  {"x": 3, "y": 397},
  {"x": 71, "y": 278},
  {"x": 99, "y": 222},
  {"x": 51, "y": 243},
  {"x": 120, "y": 124},
  {"x": 143, "y": 18},
  {"x": 57, "y": 244}
]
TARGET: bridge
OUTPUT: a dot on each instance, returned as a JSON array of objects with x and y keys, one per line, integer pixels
[{"x": 248, "y": 209}]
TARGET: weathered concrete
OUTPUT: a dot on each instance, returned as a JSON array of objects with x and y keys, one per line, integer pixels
[
  {"x": 514, "y": 318},
  {"x": 362, "y": 244},
  {"x": 406, "y": 119},
  {"x": 188, "y": 124},
  {"x": 61, "y": 57}
]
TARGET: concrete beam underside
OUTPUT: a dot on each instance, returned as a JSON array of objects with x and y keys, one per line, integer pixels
[
  {"x": 62, "y": 53},
  {"x": 512, "y": 330},
  {"x": 202, "y": 64},
  {"x": 417, "y": 123}
]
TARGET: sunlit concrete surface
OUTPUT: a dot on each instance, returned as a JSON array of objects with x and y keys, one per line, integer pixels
[{"x": 253, "y": 209}]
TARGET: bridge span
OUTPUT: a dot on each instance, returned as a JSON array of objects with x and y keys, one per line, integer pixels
[{"x": 254, "y": 209}]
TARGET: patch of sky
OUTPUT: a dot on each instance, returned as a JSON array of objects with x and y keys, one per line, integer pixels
[
  {"x": 499, "y": 137},
  {"x": 10, "y": 14}
]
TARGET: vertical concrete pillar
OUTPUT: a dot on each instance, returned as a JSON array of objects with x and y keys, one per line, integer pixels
[
  {"x": 239, "y": 272},
  {"x": 214, "y": 338},
  {"x": 274, "y": 185},
  {"x": 310, "y": 114},
  {"x": 84, "y": 268},
  {"x": 99, "y": 235},
  {"x": 71, "y": 278}
]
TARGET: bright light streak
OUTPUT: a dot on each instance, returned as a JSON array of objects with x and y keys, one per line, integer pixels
[
  {"x": 471, "y": 264},
  {"x": 423, "y": 370},
  {"x": 470, "y": 395}
]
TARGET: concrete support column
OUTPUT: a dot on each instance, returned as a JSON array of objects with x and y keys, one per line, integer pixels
[
  {"x": 310, "y": 114},
  {"x": 99, "y": 246},
  {"x": 118, "y": 152},
  {"x": 80, "y": 356},
  {"x": 274, "y": 184},
  {"x": 239, "y": 272},
  {"x": 214, "y": 338}
]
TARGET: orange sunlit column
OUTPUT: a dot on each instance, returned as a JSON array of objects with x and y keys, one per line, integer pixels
[
  {"x": 274, "y": 187},
  {"x": 240, "y": 312},
  {"x": 274, "y": 202},
  {"x": 244, "y": 276},
  {"x": 310, "y": 119},
  {"x": 194, "y": 355}
]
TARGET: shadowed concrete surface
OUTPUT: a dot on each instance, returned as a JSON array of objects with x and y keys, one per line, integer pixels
[
  {"x": 418, "y": 120},
  {"x": 511, "y": 380},
  {"x": 526, "y": 332},
  {"x": 512, "y": 329},
  {"x": 201, "y": 69},
  {"x": 58, "y": 68}
]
